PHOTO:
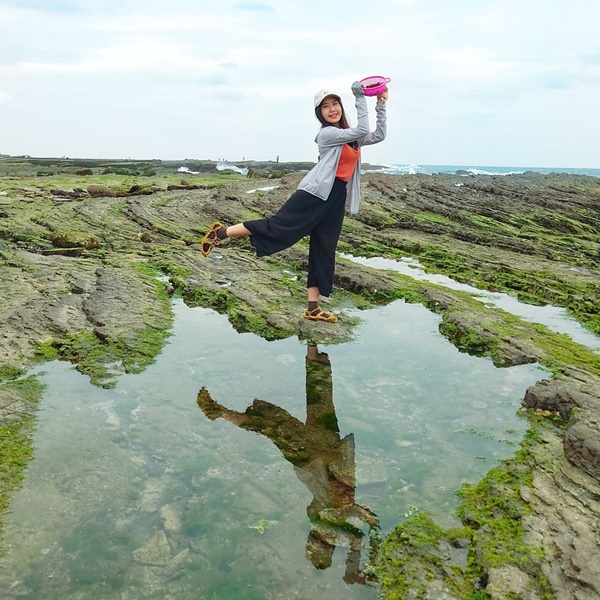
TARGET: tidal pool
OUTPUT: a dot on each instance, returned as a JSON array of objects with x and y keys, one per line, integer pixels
[
  {"x": 554, "y": 317},
  {"x": 238, "y": 468}
]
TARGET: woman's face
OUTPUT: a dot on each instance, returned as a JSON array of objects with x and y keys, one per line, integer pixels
[{"x": 331, "y": 110}]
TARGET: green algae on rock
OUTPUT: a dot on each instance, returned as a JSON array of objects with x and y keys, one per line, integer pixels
[{"x": 18, "y": 403}]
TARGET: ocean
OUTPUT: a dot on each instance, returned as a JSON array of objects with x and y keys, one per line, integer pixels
[{"x": 466, "y": 170}]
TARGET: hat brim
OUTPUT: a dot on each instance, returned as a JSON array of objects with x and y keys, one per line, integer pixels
[{"x": 322, "y": 94}]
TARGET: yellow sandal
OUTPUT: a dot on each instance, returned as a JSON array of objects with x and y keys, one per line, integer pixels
[
  {"x": 211, "y": 239},
  {"x": 318, "y": 314}
]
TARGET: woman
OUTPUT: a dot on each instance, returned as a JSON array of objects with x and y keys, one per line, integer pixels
[{"x": 317, "y": 206}]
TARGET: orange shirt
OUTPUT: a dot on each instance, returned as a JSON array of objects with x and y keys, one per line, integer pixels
[{"x": 347, "y": 162}]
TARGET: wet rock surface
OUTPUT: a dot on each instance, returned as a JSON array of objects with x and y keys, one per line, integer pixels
[
  {"x": 564, "y": 518},
  {"x": 105, "y": 308}
]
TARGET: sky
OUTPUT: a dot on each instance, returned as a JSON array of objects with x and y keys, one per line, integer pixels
[{"x": 473, "y": 82}]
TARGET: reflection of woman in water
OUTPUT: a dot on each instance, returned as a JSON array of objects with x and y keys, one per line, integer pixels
[{"x": 322, "y": 460}]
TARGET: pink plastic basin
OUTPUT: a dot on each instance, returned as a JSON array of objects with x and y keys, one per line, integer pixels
[{"x": 374, "y": 85}]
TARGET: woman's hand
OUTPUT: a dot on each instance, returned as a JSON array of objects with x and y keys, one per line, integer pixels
[
  {"x": 357, "y": 89},
  {"x": 382, "y": 98}
]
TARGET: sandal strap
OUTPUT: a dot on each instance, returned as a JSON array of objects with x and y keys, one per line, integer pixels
[{"x": 318, "y": 314}]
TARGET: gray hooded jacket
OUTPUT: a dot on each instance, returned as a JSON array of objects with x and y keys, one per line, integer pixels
[{"x": 319, "y": 180}]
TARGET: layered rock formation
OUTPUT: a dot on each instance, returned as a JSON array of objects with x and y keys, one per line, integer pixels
[{"x": 79, "y": 275}]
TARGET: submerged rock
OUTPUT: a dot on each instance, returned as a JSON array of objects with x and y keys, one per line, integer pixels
[
  {"x": 172, "y": 522},
  {"x": 155, "y": 551}
]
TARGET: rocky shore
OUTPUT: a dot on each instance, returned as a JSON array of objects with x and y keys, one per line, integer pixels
[{"x": 92, "y": 250}]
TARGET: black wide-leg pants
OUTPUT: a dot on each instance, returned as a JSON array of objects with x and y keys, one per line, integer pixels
[{"x": 304, "y": 214}]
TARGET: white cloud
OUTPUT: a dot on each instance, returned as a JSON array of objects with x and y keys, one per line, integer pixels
[
  {"x": 4, "y": 96},
  {"x": 131, "y": 55}
]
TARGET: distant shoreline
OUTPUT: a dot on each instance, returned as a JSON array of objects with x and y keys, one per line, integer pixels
[
  {"x": 32, "y": 165},
  {"x": 192, "y": 166}
]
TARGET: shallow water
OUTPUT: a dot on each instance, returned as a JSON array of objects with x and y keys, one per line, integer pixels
[
  {"x": 555, "y": 318},
  {"x": 140, "y": 492}
]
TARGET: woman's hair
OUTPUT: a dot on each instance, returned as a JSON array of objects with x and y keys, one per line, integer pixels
[{"x": 343, "y": 121}]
